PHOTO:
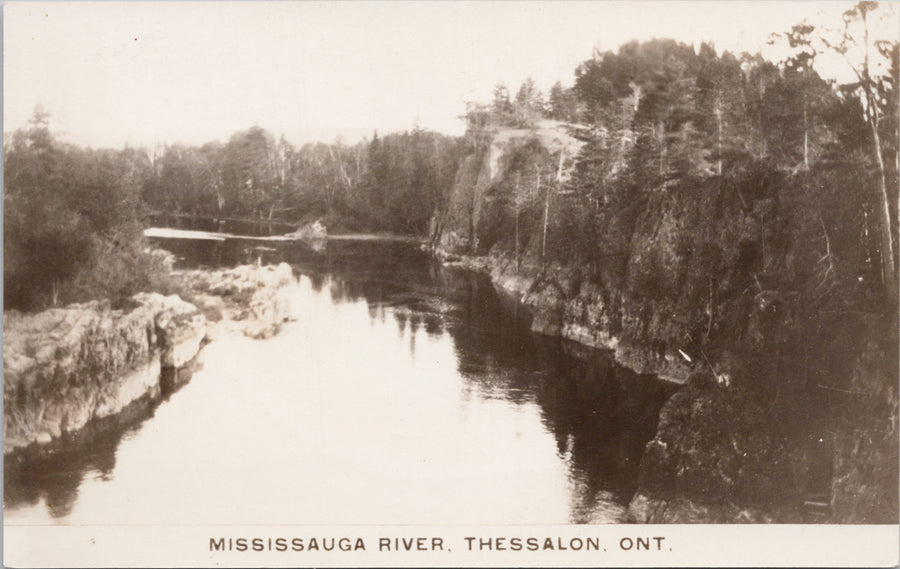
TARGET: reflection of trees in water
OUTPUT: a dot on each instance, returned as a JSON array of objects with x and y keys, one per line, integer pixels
[
  {"x": 601, "y": 414},
  {"x": 316, "y": 282},
  {"x": 55, "y": 474}
]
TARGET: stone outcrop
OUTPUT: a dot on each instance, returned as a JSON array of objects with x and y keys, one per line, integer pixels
[
  {"x": 789, "y": 407},
  {"x": 725, "y": 456},
  {"x": 65, "y": 366},
  {"x": 562, "y": 304},
  {"x": 249, "y": 299},
  {"x": 564, "y": 300},
  {"x": 716, "y": 458}
]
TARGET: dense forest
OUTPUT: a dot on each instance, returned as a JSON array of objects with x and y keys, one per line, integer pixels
[
  {"x": 728, "y": 219},
  {"x": 794, "y": 177},
  {"x": 72, "y": 216},
  {"x": 657, "y": 116}
]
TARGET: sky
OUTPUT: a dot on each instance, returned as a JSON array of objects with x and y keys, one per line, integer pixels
[{"x": 148, "y": 73}]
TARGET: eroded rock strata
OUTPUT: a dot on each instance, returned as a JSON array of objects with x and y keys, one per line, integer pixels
[
  {"x": 66, "y": 367},
  {"x": 788, "y": 410}
]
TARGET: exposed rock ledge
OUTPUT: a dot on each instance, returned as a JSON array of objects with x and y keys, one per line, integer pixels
[
  {"x": 249, "y": 299},
  {"x": 723, "y": 454},
  {"x": 562, "y": 305},
  {"x": 64, "y": 367}
]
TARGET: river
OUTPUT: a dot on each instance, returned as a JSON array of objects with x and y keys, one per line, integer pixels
[{"x": 402, "y": 392}]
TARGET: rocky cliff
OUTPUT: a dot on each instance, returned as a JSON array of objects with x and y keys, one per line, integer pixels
[
  {"x": 66, "y": 367},
  {"x": 828, "y": 454},
  {"x": 724, "y": 285}
]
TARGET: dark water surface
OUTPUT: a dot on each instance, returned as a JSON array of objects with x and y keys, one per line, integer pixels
[{"x": 403, "y": 392}]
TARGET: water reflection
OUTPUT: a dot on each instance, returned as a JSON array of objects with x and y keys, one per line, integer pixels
[
  {"x": 53, "y": 478},
  {"x": 601, "y": 414},
  {"x": 405, "y": 393}
]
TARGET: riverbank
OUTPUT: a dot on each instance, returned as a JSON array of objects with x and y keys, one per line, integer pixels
[
  {"x": 746, "y": 289},
  {"x": 66, "y": 368},
  {"x": 562, "y": 304},
  {"x": 804, "y": 436}
]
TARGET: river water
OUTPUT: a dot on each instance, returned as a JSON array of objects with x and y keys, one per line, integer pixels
[{"x": 402, "y": 392}]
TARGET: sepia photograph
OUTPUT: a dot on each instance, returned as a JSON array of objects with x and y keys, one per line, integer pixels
[{"x": 451, "y": 283}]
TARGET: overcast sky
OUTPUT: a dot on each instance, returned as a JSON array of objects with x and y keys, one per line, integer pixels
[{"x": 148, "y": 73}]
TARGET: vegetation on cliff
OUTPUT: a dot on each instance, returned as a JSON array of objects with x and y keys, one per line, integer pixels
[{"x": 727, "y": 217}]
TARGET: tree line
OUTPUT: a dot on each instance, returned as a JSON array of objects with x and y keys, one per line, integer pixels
[
  {"x": 659, "y": 116},
  {"x": 655, "y": 116},
  {"x": 389, "y": 183},
  {"x": 73, "y": 216}
]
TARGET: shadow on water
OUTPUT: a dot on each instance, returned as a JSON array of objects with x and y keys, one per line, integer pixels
[
  {"x": 55, "y": 473},
  {"x": 600, "y": 414}
]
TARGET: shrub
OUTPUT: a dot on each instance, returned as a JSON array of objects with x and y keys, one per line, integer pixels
[
  {"x": 43, "y": 246},
  {"x": 119, "y": 265}
]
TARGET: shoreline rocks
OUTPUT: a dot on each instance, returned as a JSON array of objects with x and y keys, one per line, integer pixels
[
  {"x": 66, "y": 367},
  {"x": 727, "y": 454},
  {"x": 250, "y": 300},
  {"x": 575, "y": 311}
]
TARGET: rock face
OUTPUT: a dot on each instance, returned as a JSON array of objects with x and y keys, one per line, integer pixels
[
  {"x": 715, "y": 459},
  {"x": 490, "y": 165},
  {"x": 724, "y": 456},
  {"x": 562, "y": 304},
  {"x": 65, "y": 366},
  {"x": 789, "y": 407},
  {"x": 562, "y": 298}
]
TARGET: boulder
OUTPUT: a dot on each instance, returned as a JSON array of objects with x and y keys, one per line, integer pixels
[{"x": 249, "y": 299}]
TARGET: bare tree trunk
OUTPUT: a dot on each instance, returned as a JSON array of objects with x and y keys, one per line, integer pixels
[
  {"x": 662, "y": 147},
  {"x": 516, "y": 204},
  {"x": 517, "y": 238},
  {"x": 719, "y": 138},
  {"x": 805, "y": 136},
  {"x": 546, "y": 217},
  {"x": 888, "y": 271},
  {"x": 763, "y": 146},
  {"x": 559, "y": 173}
]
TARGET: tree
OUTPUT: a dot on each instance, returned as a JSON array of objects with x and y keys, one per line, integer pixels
[
  {"x": 854, "y": 42},
  {"x": 502, "y": 111},
  {"x": 529, "y": 104},
  {"x": 760, "y": 75},
  {"x": 249, "y": 171},
  {"x": 561, "y": 103}
]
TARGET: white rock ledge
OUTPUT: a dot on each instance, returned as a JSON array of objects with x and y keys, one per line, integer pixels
[{"x": 64, "y": 367}]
